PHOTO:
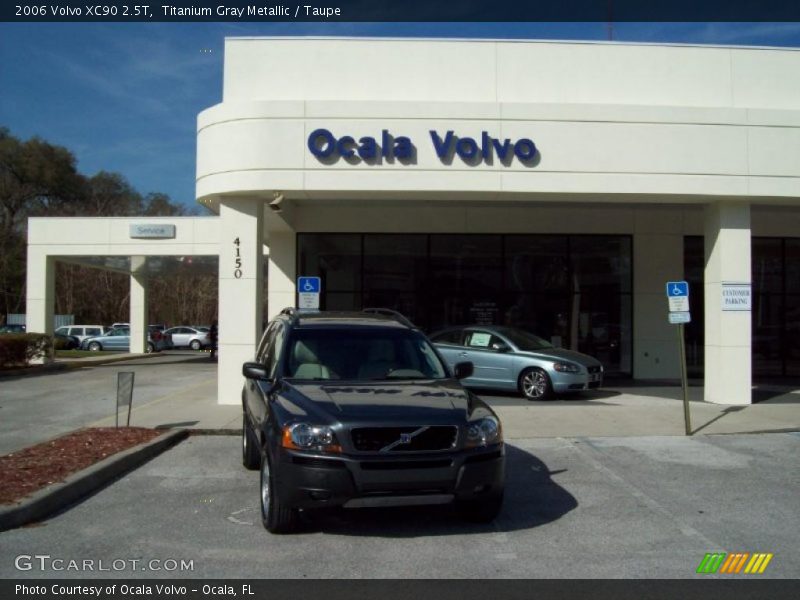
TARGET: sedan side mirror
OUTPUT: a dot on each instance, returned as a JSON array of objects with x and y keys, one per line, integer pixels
[
  {"x": 254, "y": 370},
  {"x": 463, "y": 370}
]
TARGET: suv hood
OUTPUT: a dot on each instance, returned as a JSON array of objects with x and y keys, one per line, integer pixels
[{"x": 400, "y": 402}]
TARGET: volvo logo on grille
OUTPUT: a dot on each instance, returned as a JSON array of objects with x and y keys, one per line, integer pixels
[{"x": 405, "y": 438}]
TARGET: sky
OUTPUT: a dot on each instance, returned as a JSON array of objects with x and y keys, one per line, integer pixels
[{"x": 124, "y": 97}]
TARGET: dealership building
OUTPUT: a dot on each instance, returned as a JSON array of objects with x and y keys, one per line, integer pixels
[{"x": 552, "y": 186}]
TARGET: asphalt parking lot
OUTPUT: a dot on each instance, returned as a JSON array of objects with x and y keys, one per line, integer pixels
[
  {"x": 635, "y": 507},
  {"x": 38, "y": 408}
]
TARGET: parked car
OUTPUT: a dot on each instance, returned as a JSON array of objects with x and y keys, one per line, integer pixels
[
  {"x": 507, "y": 358},
  {"x": 188, "y": 337},
  {"x": 65, "y": 342},
  {"x": 359, "y": 410},
  {"x": 120, "y": 339},
  {"x": 81, "y": 331},
  {"x": 12, "y": 328},
  {"x": 160, "y": 337}
]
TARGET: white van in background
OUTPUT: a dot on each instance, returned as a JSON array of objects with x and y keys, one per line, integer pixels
[{"x": 81, "y": 331}]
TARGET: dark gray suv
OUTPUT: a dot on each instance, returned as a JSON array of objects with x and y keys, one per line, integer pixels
[{"x": 359, "y": 410}]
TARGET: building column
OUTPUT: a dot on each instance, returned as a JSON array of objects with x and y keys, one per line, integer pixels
[
  {"x": 282, "y": 271},
  {"x": 728, "y": 355},
  {"x": 241, "y": 280},
  {"x": 138, "y": 305},
  {"x": 657, "y": 259},
  {"x": 40, "y": 301}
]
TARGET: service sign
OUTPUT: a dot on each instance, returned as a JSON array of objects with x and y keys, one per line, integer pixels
[{"x": 152, "y": 231}]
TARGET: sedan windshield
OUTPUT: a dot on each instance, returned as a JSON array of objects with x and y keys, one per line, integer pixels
[
  {"x": 526, "y": 341},
  {"x": 361, "y": 354}
]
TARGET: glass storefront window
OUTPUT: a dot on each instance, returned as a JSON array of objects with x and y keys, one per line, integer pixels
[
  {"x": 335, "y": 258},
  {"x": 572, "y": 290},
  {"x": 775, "y": 317}
]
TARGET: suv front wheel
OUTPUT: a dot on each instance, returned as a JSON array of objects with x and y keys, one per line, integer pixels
[{"x": 275, "y": 517}]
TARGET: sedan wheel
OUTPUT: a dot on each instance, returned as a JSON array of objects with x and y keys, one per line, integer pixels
[
  {"x": 195, "y": 345},
  {"x": 150, "y": 348},
  {"x": 275, "y": 517},
  {"x": 534, "y": 384},
  {"x": 95, "y": 346}
]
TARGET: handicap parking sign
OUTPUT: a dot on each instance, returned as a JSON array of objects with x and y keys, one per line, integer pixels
[
  {"x": 677, "y": 289},
  {"x": 678, "y": 297},
  {"x": 308, "y": 285}
]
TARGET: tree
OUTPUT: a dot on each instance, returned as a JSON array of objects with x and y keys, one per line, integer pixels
[{"x": 36, "y": 178}]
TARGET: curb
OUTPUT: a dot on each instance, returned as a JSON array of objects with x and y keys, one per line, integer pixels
[{"x": 78, "y": 485}]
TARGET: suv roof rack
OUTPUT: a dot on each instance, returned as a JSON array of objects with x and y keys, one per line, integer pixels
[
  {"x": 388, "y": 312},
  {"x": 291, "y": 312}
]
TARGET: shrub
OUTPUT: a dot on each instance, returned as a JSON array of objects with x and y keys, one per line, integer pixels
[{"x": 18, "y": 349}]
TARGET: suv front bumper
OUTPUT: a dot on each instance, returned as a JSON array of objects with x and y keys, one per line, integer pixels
[{"x": 310, "y": 480}]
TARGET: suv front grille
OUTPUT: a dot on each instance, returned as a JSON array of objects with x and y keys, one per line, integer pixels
[{"x": 374, "y": 439}]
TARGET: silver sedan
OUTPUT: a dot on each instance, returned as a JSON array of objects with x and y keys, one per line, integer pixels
[
  {"x": 506, "y": 358},
  {"x": 188, "y": 337}
]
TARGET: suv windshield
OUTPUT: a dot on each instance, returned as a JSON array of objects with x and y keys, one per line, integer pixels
[{"x": 361, "y": 353}]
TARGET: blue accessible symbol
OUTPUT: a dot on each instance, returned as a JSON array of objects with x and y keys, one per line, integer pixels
[
  {"x": 308, "y": 285},
  {"x": 677, "y": 289}
]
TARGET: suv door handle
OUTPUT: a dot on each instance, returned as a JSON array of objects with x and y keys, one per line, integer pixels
[{"x": 463, "y": 354}]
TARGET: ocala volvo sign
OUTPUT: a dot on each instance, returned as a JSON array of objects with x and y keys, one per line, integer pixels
[{"x": 326, "y": 146}]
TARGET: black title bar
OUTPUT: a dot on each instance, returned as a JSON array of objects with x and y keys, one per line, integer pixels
[
  {"x": 404, "y": 11},
  {"x": 387, "y": 589}
]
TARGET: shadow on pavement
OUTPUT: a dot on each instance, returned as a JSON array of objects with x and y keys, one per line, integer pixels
[{"x": 532, "y": 499}]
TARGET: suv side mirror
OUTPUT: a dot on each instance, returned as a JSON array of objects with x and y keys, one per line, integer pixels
[
  {"x": 463, "y": 370},
  {"x": 500, "y": 347},
  {"x": 254, "y": 370}
]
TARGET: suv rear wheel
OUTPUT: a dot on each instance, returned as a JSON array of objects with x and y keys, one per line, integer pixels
[{"x": 275, "y": 517}]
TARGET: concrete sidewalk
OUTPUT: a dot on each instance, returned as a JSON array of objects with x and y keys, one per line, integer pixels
[{"x": 615, "y": 411}]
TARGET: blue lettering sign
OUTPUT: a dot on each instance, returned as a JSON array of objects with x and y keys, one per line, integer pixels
[
  {"x": 323, "y": 144},
  {"x": 327, "y": 139}
]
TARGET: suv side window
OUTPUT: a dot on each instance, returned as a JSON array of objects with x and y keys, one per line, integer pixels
[
  {"x": 271, "y": 347},
  {"x": 266, "y": 339},
  {"x": 274, "y": 353}
]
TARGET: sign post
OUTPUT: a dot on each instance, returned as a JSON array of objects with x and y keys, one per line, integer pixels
[
  {"x": 678, "y": 298},
  {"x": 124, "y": 394}
]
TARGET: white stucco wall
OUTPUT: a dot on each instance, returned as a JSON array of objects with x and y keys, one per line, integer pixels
[{"x": 637, "y": 121}]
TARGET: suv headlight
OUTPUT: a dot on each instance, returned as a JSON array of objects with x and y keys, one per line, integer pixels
[
  {"x": 303, "y": 436},
  {"x": 566, "y": 367},
  {"x": 483, "y": 432}
]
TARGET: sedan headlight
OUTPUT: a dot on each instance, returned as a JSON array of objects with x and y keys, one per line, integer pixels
[
  {"x": 303, "y": 436},
  {"x": 483, "y": 432},
  {"x": 566, "y": 367}
]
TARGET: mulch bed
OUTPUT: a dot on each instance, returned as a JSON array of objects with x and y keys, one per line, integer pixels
[{"x": 26, "y": 471}]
